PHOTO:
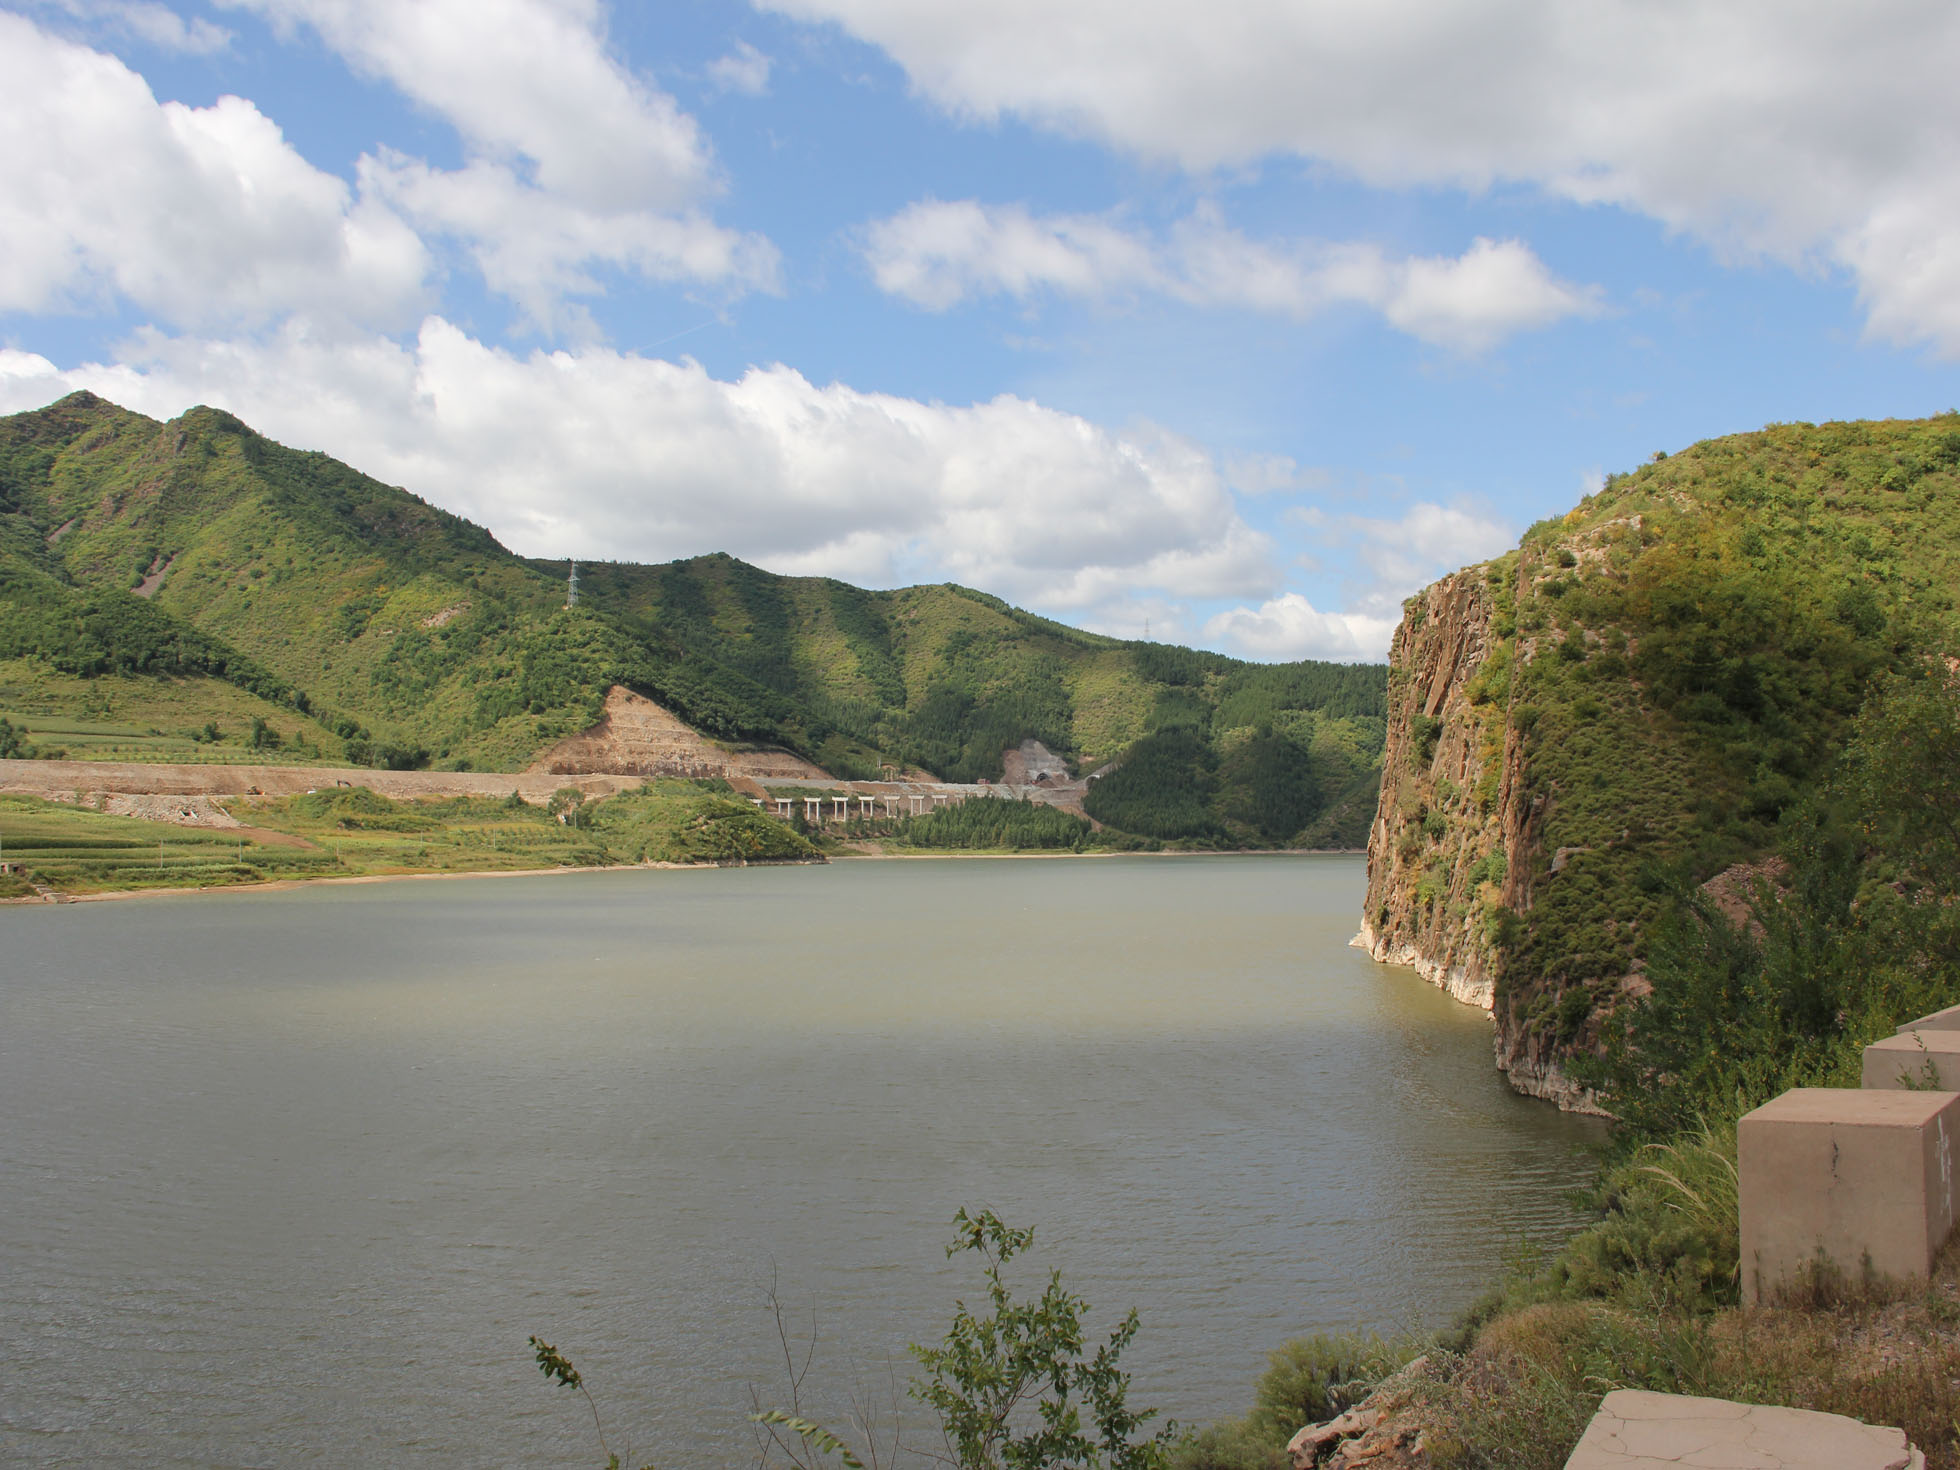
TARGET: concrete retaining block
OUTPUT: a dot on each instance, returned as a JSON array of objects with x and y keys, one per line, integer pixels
[
  {"x": 1634, "y": 1430},
  {"x": 1927, "y": 1058},
  {"x": 1946, "y": 1020},
  {"x": 1861, "y": 1179}
]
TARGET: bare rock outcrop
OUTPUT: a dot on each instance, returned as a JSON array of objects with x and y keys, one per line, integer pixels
[
  {"x": 1455, "y": 850},
  {"x": 636, "y": 737},
  {"x": 1384, "y": 1432}
]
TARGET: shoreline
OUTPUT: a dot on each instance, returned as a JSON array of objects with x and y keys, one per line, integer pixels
[{"x": 281, "y": 885}]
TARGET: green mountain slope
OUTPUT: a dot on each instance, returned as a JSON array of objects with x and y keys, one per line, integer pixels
[
  {"x": 1639, "y": 696},
  {"x": 199, "y": 549}
]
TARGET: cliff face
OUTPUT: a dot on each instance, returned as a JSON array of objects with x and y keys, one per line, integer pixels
[
  {"x": 1429, "y": 848},
  {"x": 1456, "y": 842},
  {"x": 1636, "y": 700}
]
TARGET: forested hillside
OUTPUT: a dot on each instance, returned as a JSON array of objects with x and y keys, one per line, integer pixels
[
  {"x": 382, "y": 630},
  {"x": 1653, "y": 690}
]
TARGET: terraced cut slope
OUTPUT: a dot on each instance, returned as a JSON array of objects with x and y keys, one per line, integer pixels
[
  {"x": 1634, "y": 699},
  {"x": 194, "y": 592}
]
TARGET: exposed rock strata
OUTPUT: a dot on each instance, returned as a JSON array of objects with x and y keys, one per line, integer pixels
[
  {"x": 636, "y": 737},
  {"x": 1457, "y": 836}
]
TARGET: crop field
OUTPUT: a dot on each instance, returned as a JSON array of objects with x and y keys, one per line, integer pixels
[
  {"x": 351, "y": 831},
  {"x": 74, "y": 850}
]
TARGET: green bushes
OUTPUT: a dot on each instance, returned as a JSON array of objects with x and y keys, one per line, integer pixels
[{"x": 1858, "y": 931}]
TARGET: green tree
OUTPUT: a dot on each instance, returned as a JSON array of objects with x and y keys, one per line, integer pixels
[
  {"x": 1011, "y": 1387},
  {"x": 1014, "y": 1389}
]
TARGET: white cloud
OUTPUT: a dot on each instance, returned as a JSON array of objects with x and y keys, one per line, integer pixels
[
  {"x": 1267, "y": 474},
  {"x": 573, "y": 162},
  {"x": 201, "y": 215},
  {"x": 148, "y": 21},
  {"x": 600, "y": 453},
  {"x": 1808, "y": 131},
  {"x": 526, "y": 80},
  {"x": 1477, "y": 299},
  {"x": 937, "y": 254},
  {"x": 1387, "y": 559},
  {"x": 1418, "y": 546},
  {"x": 744, "y": 70},
  {"x": 537, "y": 250},
  {"x": 1290, "y": 627}
]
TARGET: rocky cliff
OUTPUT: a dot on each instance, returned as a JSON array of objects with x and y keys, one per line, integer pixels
[
  {"x": 1456, "y": 843},
  {"x": 1636, "y": 700}
]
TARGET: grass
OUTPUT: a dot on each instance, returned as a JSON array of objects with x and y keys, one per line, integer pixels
[
  {"x": 1521, "y": 1394},
  {"x": 1643, "y": 1298}
]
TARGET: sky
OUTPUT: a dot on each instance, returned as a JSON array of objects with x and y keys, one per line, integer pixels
[{"x": 1230, "y": 325}]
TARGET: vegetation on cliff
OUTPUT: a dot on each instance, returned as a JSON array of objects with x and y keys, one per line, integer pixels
[
  {"x": 1682, "y": 778},
  {"x": 1640, "y": 697},
  {"x": 391, "y": 633}
]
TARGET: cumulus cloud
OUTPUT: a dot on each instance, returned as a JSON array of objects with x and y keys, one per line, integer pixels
[
  {"x": 202, "y": 215},
  {"x": 573, "y": 162},
  {"x": 601, "y": 453},
  {"x": 537, "y": 250},
  {"x": 525, "y": 80},
  {"x": 1387, "y": 559},
  {"x": 1290, "y": 627},
  {"x": 1809, "y": 131},
  {"x": 148, "y": 21},
  {"x": 937, "y": 254},
  {"x": 1413, "y": 549},
  {"x": 744, "y": 70}
]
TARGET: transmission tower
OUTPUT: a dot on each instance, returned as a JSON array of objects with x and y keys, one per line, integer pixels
[{"x": 571, "y": 588}]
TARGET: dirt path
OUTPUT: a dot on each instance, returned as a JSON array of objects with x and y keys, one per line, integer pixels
[{"x": 130, "y": 778}]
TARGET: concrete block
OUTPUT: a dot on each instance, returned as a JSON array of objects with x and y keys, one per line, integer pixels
[
  {"x": 1926, "y": 1059},
  {"x": 1857, "y": 1177},
  {"x": 1946, "y": 1020},
  {"x": 1634, "y": 1430}
]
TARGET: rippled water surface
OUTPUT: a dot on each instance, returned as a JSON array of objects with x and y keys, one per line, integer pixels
[{"x": 288, "y": 1178}]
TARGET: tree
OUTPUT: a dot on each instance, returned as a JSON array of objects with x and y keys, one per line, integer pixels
[{"x": 1010, "y": 1387}]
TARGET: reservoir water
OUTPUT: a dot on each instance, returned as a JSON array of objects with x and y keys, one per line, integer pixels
[{"x": 288, "y": 1177}]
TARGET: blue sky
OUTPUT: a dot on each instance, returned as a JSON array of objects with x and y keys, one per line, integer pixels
[{"x": 1238, "y": 322}]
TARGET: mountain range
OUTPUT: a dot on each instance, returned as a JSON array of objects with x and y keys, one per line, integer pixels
[{"x": 351, "y": 620}]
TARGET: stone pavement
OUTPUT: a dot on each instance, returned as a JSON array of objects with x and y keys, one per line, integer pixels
[{"x": 1658, "y": 1431}]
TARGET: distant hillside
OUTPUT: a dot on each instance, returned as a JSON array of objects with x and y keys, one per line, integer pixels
[
  {"x": 1636, "y": 698},
  {"x": 199, "y": 550}
]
